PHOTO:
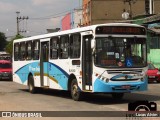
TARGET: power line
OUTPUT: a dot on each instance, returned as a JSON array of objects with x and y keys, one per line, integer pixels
[
  {"x": 41, "y": 18},
  {"x": 57, "y": 15},
  {"x": 53, "y": 16}
]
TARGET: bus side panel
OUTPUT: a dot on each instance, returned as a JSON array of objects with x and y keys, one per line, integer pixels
[
  {"x": 19, "y": 77},
  {"x": 37, "y": 80},
  {"x": 22, "y": 71},
  {"x": 58, "y": 76}
]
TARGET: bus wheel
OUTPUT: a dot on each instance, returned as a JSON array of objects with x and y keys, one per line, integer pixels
[
  {"x": 31, "y": 86},
  {"x": 117, "y": 95},
  {"x": 75, "y": 92}
]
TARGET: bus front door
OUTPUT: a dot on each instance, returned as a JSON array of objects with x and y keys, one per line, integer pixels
[
  {"x": 87, "y": 62},
  {"x": 44, "y": 69}
]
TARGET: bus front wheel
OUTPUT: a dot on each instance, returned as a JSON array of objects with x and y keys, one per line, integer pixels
[
  {"x": 31, "y": 87},
  {"x": 117, "y": 95},
  {"x": 75, "y": 92}
]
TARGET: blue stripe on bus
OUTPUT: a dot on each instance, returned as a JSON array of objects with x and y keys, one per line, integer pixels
[
  {"x": 60, "y": 75},
  {"x": 64, "y": 72},
  {"x": 54, "y": 71},
  {"x": 26, "y": 69}
]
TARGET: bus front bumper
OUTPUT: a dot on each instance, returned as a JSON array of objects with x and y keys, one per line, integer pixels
[{"x": 123, "y": 87}]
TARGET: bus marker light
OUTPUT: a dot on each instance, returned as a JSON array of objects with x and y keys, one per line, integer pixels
[
  {"x": 97, "y": 74},
  {"x": 81, "y": 73}
]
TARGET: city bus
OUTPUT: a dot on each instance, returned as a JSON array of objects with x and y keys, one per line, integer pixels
[{"x": 105, "y": 58}]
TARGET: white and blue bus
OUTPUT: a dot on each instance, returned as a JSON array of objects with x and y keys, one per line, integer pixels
[{"x": 105, "y": 58}]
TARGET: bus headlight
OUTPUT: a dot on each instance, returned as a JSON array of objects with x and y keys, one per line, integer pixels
[
  {"x": 104, "y": 79},
  {"x": 158, "y": 72},
  {"x": 107, "y": 80},
  {"x": 143, "y": 78}
]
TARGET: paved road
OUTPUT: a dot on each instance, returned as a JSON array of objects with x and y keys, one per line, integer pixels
[{"x": 15, "y": 97}]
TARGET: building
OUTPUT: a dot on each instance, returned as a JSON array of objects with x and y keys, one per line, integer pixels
[
  {"x": 66, "y": 22},
  {"x": 72, "y": 20},
  {"x": 102, "y": 11}
]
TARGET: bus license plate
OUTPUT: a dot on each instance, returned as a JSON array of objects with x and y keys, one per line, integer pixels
[
  {"x": 5, "y": 75},
  {"x": 126, "y": 86}
]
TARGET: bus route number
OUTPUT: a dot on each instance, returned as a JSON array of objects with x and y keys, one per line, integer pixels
[{"x": 72, "y": 70}]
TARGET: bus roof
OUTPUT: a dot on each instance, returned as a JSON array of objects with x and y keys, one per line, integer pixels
[{"x": 87, "y": 28}]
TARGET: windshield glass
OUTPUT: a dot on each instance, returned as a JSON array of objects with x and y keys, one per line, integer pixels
[
  {"x": 5, "y": 65},
  {"x": 120, "y": 52}
]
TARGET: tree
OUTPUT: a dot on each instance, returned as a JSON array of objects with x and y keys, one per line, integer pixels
[
  {"x": 9, "y": 46},
  {"x": 3, "y": 41}
]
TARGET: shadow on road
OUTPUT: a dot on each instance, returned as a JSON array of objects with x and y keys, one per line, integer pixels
[
  {"x": 7, "y": 80},
  {"x": 101, "y": 99}
]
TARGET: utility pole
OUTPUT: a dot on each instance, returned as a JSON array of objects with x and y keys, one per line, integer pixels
[
  {"x": 19, "y": 19},
  {"x": 18, "y": 22}
]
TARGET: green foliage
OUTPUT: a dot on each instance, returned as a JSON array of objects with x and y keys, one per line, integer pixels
[
  {"x": 3, "y": 41},
  {"x": 9, "y": 46}
]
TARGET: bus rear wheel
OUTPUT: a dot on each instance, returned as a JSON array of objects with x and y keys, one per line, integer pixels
[
  {"x": 117, "y": 95},
  {"x": 75, "y": 92},
  {"x": 31, "y": 87}
]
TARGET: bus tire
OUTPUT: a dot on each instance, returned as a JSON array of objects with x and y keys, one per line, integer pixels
[
  {"x": 75, "y": 92},
  {"x": 31, "y": 87},
  {"x": 117, "y": 95}
]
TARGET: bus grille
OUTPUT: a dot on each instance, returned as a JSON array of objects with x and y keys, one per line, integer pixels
[
  {"x": 126, "y": 74},
  {"x": 135, "y": 71}
]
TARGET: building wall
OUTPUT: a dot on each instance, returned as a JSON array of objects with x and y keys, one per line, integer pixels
[
  {"x": 106, "y": 11},
  {"x": 102, "y": 11},
  {"x": 86, "y": 12},
  {"x": 66, "y": 22},
  {"x": 156, "y": 6},
  {"x": 154, "y": 58},
  {"x": 72, "y": 20},
  {"x": 77, "y": 18}
]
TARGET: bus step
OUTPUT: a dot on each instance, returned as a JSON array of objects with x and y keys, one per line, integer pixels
[{"x": 45, "y": 87}]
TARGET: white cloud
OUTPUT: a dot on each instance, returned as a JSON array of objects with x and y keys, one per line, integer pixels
[
  {"x": 6, "y": 7},
  {"x": 42, "y": 2},
  {"x": 33, "y": 9},
  {"x": 55, "y": 22}
]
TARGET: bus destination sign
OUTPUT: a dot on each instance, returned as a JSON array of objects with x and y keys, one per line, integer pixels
[{"x": 121, "y": 30}]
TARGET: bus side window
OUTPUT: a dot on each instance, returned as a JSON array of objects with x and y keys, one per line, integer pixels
[
  {"x": 54, "y": 46},
  {"x": 29, "y": 50},
  {"x": 64, "y": 47},
  {"x": 75, "y": 43},
  {"x": 36, "y": 46},
  {"x": 22, "y": 51},
  {"x": 16, "y": 51}
]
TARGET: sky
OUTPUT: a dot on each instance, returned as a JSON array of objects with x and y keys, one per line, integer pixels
[{"x": 43, "y": 14}]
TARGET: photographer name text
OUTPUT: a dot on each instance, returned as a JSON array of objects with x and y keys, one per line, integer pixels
[{"x": 146, "y": 114}]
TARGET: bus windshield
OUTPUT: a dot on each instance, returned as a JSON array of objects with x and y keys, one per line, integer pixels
[{"x": 120, "y": 52}]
